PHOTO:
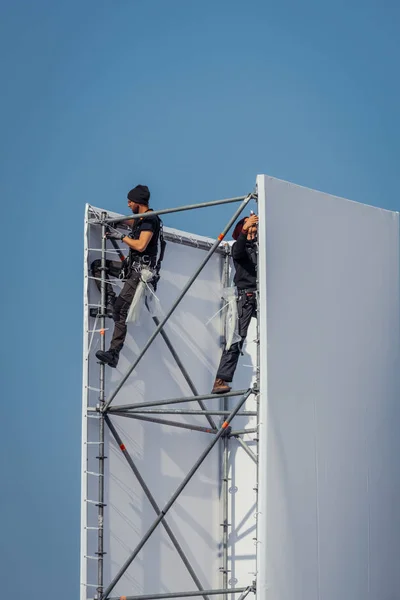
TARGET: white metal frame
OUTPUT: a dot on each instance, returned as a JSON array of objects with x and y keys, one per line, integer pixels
[{"x": 103, "y": 590}]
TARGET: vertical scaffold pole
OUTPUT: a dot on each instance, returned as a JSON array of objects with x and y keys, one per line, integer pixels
[
  {"x": 225, "y": 462},
  {"x": 257, "y": 384},
  {"x": 101, "y": 457}
]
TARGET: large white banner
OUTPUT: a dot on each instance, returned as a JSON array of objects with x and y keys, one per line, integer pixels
[{"x": 329, "y": 526}]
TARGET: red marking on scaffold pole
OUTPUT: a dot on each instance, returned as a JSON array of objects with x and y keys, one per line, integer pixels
[
  {"x": 123, "y": 598},
  {"x": 221, "y": 237},
  {"x": 102, "y": 331},
  {"x": 122, "y": 446},
  {"x": 225, "y": 424}
]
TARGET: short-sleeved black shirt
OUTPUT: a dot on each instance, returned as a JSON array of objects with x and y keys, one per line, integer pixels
[{"x": 146, "y": 224}]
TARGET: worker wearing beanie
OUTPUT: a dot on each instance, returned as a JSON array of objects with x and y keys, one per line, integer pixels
[{"x": 143, "y": 246}]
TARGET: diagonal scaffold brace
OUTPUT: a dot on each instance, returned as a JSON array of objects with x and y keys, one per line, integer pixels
[
  {"x": 222, "y": 431},
  {"x": 154, "y": 504},
  {"x": 182, "y": 368},
  {"x": 171, "y": 348}
]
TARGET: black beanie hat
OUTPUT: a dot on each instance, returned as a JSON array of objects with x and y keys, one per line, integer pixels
[{"x": 139, "y": 194}]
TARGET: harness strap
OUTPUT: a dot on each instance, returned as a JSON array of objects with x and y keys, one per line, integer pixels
[
  {"x": 163, "y": 245},
  {"x": 145, "y": 259}
]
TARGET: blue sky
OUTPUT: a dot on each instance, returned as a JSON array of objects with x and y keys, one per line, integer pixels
[{"x": 193, "y": 99}]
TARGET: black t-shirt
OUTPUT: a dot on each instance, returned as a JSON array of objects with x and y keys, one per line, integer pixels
[
  {"x": 146, "y": 223},
  {"x": 244, "y": 254}
]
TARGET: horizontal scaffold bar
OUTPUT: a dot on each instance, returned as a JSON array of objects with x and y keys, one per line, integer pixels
[
  {"x": 182, "y": 594},
  {"x": 243, "y": 431},
  {"x": 178, "y": 411},
  {"x": 119, "y": 407},
  {"x": 138, "y": 417},
  {"x": 176, "y": 238},
  {"x": 165, "y": 211}
]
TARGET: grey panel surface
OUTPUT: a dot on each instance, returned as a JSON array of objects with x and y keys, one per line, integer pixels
[{"x": 332, "y": 476}]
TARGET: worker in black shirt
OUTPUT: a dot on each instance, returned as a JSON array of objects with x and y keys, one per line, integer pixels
[
  {"x": 244, "y": 254},
  {"x": 143, "y": 245}
]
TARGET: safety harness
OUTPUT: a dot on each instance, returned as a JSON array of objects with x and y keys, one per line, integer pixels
[{"x": 137, "y": 262}]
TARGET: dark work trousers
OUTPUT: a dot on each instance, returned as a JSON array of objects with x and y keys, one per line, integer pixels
[
  {"x": 247, "y": 308},
  {"x": 122, "y": 303},
  {"x": 114, "y": 268}
]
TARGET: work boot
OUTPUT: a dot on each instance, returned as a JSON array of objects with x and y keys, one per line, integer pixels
[
  {"x": 220, "y": 387},
  {"x": 109, "y": 357}
]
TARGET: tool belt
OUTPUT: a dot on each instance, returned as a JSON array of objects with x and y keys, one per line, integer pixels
[{"x": 136, "y": 264}]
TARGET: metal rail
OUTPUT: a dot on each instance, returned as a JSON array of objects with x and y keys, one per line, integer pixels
[
  {"x": 225, "y": 471},
  {"x": 166, "y": 211},
  {"x": 181, "y": 400},
  {"x": 183, "y": 594}
]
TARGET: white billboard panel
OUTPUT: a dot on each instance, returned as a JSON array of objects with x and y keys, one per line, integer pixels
[
  {"x": 164, "y": 454},
  {"x": 329, "y": 526}
]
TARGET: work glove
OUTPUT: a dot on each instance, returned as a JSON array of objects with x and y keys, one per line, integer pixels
[{"x": 114, "y": 235}]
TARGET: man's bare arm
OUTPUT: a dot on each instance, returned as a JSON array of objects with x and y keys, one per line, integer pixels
[{"x": 141, "y": 244}]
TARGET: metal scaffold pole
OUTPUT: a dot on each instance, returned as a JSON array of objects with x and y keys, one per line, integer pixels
[
  {"x": 138, "y": 417},
  {"x": 166, "y": 211},
  {"x": 125, "y": 407},
  {"x": 185, "y": 594},
  {"x": 225, "y": 464},
  {"x": 182, "y": 369},
  {"x": 101, "y": 457},
  {"x": 257, "y": 386},
  {"x": 179, "y": 411}
]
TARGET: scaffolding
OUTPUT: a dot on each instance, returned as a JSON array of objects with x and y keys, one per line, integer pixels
[{"x": 221, "y": 434}]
